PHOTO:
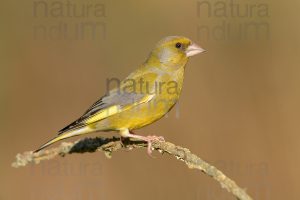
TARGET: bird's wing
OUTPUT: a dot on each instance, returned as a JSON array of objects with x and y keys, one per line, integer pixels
[{"x": 115, "y": 102}]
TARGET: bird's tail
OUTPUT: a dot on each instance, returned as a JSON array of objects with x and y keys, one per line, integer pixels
[{"x": 65, "y": 135}]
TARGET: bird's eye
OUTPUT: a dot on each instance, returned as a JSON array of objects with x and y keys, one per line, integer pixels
[{"x": 178, "y": 45}]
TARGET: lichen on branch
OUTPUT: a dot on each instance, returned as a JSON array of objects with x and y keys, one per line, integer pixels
[{"x": 110, "y": 145}]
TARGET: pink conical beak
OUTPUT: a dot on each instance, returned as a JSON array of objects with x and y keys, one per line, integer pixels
[{"x": 193, "y": 49}]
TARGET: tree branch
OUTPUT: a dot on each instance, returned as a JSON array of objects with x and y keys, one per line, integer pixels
[{"x": 110, "y": 145}]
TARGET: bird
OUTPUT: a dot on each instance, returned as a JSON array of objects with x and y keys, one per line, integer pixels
[{"x": 143, "y": 97}]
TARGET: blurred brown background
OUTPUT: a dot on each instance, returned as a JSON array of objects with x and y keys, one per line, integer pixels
[{"x": 239, "y": 109}]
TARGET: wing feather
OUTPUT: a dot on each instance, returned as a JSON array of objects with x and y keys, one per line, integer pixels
[{"x": 111, "y": 104}]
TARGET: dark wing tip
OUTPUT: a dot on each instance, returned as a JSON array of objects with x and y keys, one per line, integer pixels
[
  {"x": 74, "y": 125},
  {"x": 37, "y": 150},
  {"x": 98, "y": 105}
]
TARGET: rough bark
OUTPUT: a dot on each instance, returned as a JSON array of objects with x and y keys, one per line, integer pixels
[{"x": 110, "y": 145}]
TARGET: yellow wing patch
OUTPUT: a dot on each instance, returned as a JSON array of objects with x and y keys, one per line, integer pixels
[
  {"x": 104, "y": 114},
  {"x": 112, "y": 110}
]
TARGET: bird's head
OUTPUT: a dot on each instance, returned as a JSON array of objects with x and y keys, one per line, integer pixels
[{"x": 174, "y": 51}]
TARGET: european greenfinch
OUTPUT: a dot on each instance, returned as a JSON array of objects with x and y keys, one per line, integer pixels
[{"x": 142, "y": 98}]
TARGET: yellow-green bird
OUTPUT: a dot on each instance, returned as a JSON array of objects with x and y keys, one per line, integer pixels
[{"x": 142, "y": 98}]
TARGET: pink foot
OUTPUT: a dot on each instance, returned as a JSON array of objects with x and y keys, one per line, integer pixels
[
  {"x": 149, "y": 139},
  {"x": 153, "y": 138}
]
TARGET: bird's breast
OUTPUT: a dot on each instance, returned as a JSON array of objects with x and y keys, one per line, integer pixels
[{"x": 164, "y": 90}]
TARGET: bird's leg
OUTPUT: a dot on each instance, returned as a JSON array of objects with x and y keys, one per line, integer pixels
[
  {"x": 149, "y": 139},
  {"x": 122, "y": 140}
]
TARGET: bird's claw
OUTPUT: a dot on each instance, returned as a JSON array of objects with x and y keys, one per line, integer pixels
[{"x": 153, "y": 138}]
